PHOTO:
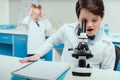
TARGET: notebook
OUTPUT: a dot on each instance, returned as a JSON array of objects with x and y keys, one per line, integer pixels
[{"x": 42, "y": 70}]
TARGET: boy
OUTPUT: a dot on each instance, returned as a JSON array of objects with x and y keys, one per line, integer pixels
[{"x": 37, "y": 24}]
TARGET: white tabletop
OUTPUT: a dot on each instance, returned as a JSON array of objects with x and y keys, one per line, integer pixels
[
  {"x": 18, "y": 30},
  {"x": 96, "y": 74},
  {"x": 7, "y": 65}
]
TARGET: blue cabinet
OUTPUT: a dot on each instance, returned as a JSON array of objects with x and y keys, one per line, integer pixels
[
  {"x": 6, "y": 38},
  {"x": 16, "y": 45},
  {"x": 13, "y": 45},
  {"x": 48, "y": 56},
  {"x": 20, "y": 45},
  {"x": 6, "y": 44}
]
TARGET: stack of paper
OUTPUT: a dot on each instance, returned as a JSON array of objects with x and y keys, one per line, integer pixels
[{"x": 42, "y": 70}]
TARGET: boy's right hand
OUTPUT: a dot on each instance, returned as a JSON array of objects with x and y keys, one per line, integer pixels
[
  {"x": 33, "y": 58},
  {"x": 25, "y": 60}
]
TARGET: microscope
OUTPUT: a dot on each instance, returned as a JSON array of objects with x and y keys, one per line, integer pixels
[{"x": 82, "y": 52}]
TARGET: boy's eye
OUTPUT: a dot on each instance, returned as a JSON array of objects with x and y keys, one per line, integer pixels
[{"x": 94, "y": 20}]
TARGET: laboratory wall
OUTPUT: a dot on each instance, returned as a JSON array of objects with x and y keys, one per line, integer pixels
[
  {"x": 112, "y": 15},
  {"x": 4, "y": 12},
  {"x": 58, "y": 12},
  {"x": 13, "y": 11}
]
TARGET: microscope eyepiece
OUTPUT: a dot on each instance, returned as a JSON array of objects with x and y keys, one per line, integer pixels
[{"x": 83, "y": 30}]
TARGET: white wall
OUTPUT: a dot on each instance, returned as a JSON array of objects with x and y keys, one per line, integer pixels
[
  {"x": 8, "y": 11},
  {"x": 4, "y": 12},
  {"x": 13, "y": 11},
  {"x": 112, "y": 15},
  {"x": 59, "y": 12}
]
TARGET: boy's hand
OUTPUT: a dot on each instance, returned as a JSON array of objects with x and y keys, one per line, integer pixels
[
  {"x": 30, "y": 59},
  {"x": 43, "y": 15}
]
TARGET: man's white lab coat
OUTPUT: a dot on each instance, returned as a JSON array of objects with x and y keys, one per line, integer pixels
[{"x": 101, "y": 47}]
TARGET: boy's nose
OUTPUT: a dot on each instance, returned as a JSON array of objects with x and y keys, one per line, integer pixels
[{"x": 89, "y": 24}]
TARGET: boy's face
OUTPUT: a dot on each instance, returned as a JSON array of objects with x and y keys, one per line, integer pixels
[
  {"x": 92, "y": 21},
  {"x": 36, "y": 14}
]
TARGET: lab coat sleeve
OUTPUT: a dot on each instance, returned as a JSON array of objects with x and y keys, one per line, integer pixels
[
  {"x": 109, "y": 57},
  {"x": 53, "y": 40}
]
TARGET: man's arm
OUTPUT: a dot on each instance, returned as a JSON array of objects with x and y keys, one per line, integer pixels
[{"x": 55, "y": 39}]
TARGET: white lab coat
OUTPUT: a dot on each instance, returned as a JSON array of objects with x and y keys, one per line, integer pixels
[
  {"x": 101, "y": 47},
  {"x": 36, "y": 35}
]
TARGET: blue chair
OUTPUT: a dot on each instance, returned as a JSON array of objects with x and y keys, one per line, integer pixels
[
  {"x": 117, "y": 61},
  {"x": 118, "y": 66}
]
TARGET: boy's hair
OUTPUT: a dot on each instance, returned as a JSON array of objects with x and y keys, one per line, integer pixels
[
  {"x": 36, "y": 6},
  {"x": 39, "y": 7},
  {"x": 94, "y": 6},
  {"x": 33, "y": 5}
]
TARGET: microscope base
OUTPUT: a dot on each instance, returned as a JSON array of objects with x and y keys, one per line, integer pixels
[
  {"x": 81, "y": 74},
  {"x": 84, "y": 72}
]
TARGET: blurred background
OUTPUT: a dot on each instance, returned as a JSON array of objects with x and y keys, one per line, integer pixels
[{"x": 58, "y": 12}]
